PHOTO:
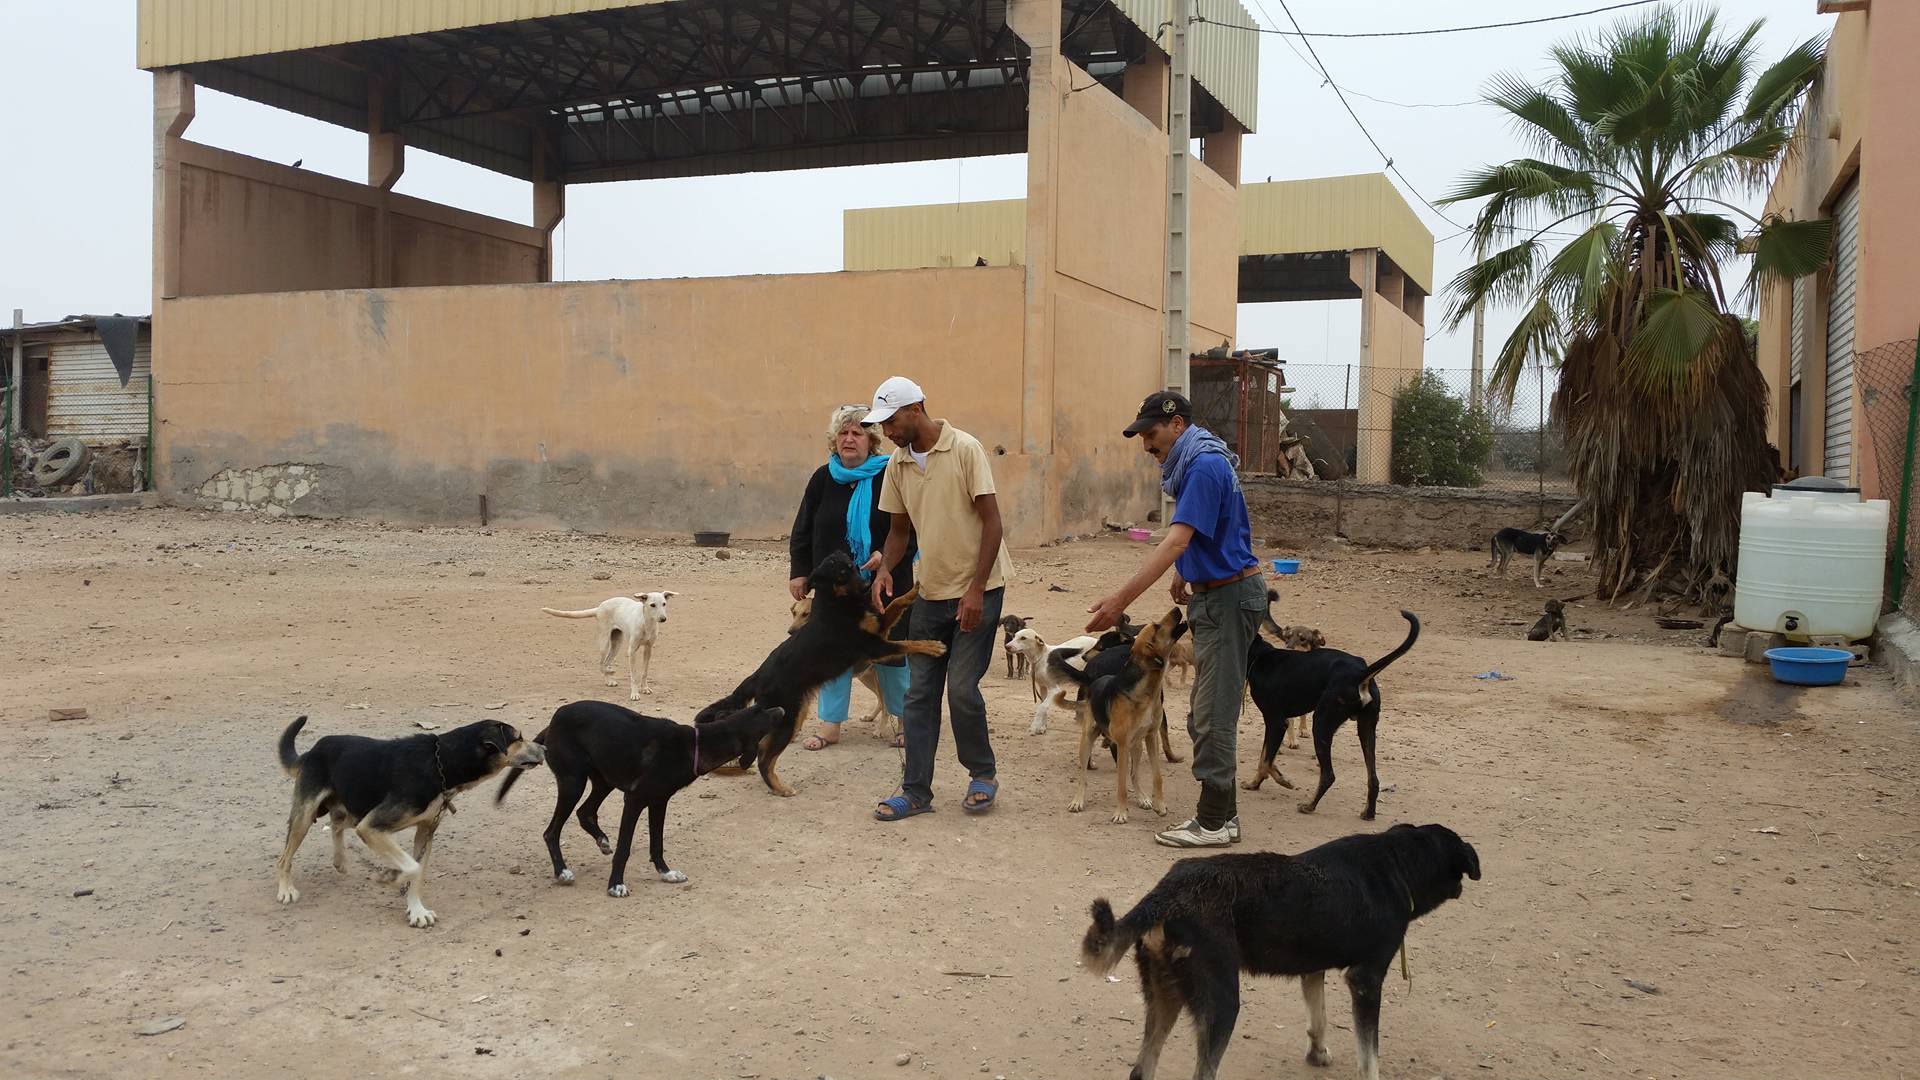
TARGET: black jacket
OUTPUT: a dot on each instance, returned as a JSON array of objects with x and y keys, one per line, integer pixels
[{"x": 820, "y": 529}]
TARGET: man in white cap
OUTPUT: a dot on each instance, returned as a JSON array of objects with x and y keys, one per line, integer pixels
[{"x": 939, "y": 488}]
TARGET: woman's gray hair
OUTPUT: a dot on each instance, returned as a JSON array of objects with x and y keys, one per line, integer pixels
[{"x": 845, "y": 415}]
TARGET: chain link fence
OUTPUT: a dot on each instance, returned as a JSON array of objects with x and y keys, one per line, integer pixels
[
  {"x": 1431, "y": 427},
  {"x": 1890, "y": 406}
]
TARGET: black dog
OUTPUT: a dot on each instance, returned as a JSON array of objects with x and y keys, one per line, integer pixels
[
  {"x": 1334, "y": 686},
  {"x": 604, "y": 745},
  {"x": 1551, "y": 624},
  {"x": 1016, "y": 660},
  {"x": 1507, "y": 541},
  {"x": 839, "y": 632},
  {"x": 1343, "y": 905},
  {"x": 377, "y": 787}
]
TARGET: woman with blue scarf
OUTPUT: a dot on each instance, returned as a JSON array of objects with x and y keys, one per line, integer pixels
[{"x": 840, "y": 512}]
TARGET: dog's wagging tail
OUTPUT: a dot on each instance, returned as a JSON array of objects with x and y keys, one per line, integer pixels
[
  {"x": 289, "y": 760},
  {"x": 506, "y": 784}
]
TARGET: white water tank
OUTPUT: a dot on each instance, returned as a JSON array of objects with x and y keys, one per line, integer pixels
[{"x": 1813, "y": 559}]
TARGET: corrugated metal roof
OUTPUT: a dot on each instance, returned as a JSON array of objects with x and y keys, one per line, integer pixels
[
  {"x": 1336, "y": 213},
  {"x": 85, "y": 399},
  {"x": 1332, "y": 213},
  {"x": 951, "y": 234},
  {"x": 176, "y": 32},
  {"x": 1226, "y": 62}
]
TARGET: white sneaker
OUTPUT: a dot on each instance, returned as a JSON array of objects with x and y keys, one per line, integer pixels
[
  {"x": 1233, "y": 828},
  {"x": 1189, "y": 834}
]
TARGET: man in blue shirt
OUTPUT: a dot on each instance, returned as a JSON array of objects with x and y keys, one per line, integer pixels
[{"x": 1209, "y": 545}]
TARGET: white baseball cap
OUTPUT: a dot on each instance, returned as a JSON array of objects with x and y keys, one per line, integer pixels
[{"x": 893, "y": 395}]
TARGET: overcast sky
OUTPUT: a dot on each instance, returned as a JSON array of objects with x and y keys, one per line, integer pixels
[{"x": 76, "y": 183}]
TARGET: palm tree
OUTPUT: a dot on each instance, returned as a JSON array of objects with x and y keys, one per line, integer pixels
[{"x": 1644, "y": 132}]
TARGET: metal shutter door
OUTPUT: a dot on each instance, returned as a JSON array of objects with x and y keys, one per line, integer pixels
[
  {"x": 1846, "y": 250},
  {"x": 85, "y": 399},
  {"x": 1798, "y": 330}
]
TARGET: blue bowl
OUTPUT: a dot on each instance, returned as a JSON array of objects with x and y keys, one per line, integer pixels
[
  {"x": 1286, "y": 566},
  {"x": 1809, "y": 667}
]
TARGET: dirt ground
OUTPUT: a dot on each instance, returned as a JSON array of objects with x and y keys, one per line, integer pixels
[{"x": 1643, "y": 811}]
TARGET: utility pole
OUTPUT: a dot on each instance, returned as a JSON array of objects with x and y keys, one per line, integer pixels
[
  {"x": 1478, "y": 392},
  {"x": 1179, "y": 139}
]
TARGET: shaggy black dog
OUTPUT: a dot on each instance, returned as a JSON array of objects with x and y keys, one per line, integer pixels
[
  {"x": 839, "y": 632},
  {"x": 1343, "y": 905}
]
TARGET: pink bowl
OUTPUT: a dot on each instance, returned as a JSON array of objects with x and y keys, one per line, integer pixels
[{"x": 1139, "y": 534}]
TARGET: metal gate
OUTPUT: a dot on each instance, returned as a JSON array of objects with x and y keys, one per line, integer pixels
[
  {"x": 85, "y": 399},
  {"x": 1838, "y": 458}
]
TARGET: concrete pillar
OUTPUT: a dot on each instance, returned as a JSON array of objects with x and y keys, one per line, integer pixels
[
  {"x": 549, "y": 201},
  {"x": 1373, "y": 388},
  {"x": 172, "y": 113},
  {"x": 1144, "y": 86},
  {"x": 386, "y": 161},
  {"x": 1048, "y": 96},
  {"x": 1220, "y": 151}
]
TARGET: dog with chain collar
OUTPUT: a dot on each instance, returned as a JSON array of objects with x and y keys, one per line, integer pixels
[{"x": 378, "y": 787}]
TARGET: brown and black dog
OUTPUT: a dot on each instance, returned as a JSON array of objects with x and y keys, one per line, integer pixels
[
  {"x": 863, "y": 672},
  {"x": 840, "y": 632},
  {"x": 1126, "y": 707}
]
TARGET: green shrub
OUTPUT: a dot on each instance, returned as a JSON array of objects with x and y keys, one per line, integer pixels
[{"x": 1438, "y": 440}]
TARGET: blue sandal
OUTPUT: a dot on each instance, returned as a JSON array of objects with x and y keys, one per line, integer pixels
[
  {"x": 899, "y": 807},
  {"x": 988, "y": 789}
]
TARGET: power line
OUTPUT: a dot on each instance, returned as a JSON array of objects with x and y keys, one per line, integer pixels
[
  {"x": 1299, "y": 33},
  {"x": 1416, "y": 104},
  {"x": 1345, "y": 104}
]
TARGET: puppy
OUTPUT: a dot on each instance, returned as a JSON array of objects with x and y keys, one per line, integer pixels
[
  {"x": 839, "y": 633},
  {"x": 1552, "y": 623},
  {"x": 1335, "y": 687},
  {"x": 863, "y": 672},
  {"x": 1344, "y": 905},
  {"x": 603, "y": 745},
  {"x": 1507, "y": 541},
  {"x": 377, "y": 787},
  {"x": 632, "y": 622},
  {"x": 1011, "y": 625},
  {"x": 1182, "y": 658},
  {"x": 1298, "y": 639},
  {"x": 1126, "y": 707}
]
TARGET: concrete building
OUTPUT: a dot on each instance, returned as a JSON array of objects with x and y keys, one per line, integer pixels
[
  {"x": 1327, "y": 238},
  {"x": 408, "y": 358},
  {"x": 1857, "y": 162}
]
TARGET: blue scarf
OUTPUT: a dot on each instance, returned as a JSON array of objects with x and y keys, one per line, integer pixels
[
  {"x": 862, "y": 478},
  {"x": 1185, "y": 451}
]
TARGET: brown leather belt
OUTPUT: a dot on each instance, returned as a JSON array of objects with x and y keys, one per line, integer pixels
[{"x": 1209, "y": 586}]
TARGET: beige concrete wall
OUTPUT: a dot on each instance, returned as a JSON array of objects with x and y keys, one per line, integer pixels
[
  {"x": 251, "y": 226},
  {"x": 650, "y": 406}
]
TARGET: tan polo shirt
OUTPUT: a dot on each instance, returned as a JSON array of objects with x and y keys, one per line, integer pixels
[{"x": 939, "y": 500}]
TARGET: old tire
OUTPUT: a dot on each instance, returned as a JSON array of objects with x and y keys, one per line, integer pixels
[{"x": 61, "y": 463}]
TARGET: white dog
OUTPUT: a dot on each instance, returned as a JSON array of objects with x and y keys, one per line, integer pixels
[
  {"x": 630, "y": 621},
  {"x": 1051, "y": 685}
]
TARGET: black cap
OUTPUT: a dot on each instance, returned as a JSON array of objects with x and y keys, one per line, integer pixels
[{"x": 1159, "y": 406}]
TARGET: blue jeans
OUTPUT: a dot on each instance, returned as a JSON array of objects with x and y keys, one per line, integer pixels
[
  {"x": 837, "y": 694},
  {"x": 958, "y": 674}
]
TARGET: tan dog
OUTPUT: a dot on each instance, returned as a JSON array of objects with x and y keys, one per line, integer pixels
[
  {"x": 1182, "y": 658},
  {"x": 863, "y": 672},
  {"x": 1125, "y": 708}
]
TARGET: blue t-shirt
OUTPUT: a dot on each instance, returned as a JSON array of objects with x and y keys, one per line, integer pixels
[{"x": 1212, "y": 504}]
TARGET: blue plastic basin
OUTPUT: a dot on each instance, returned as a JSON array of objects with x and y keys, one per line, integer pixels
[
  {"x": 1809, "y": 667},
  {"x": 1286, "y": 566}
]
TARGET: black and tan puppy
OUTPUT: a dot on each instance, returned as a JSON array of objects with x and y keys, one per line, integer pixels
[
  {"x": 1334, "y": 686},
  {"x": 840, "y": 632},
  {"x": 1344, "y": 905},
  {"x": 377, "y": 787},
  {"x": 1551, "y": 624},
  {"x": 1126, "y": 708},
  {"x": 1539, "y": 546},
  {"x": 1016, "y": 660},
  {"x": 602, "y": 746}
]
